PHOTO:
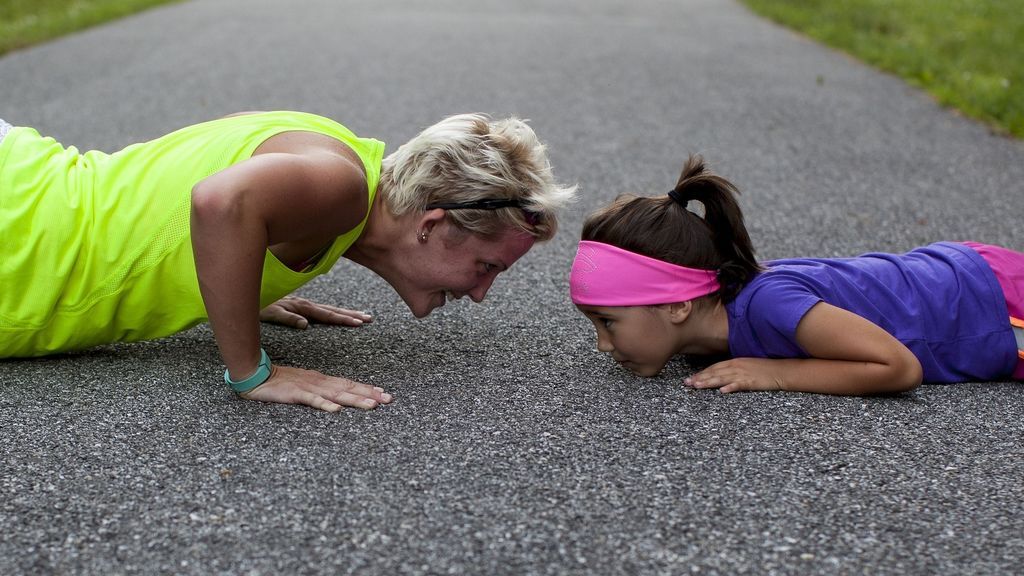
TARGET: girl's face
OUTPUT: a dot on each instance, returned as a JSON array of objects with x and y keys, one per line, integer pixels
[{"x": 640, "y": 338}]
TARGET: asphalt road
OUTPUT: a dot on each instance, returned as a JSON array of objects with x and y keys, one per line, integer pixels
[{"x": 513, "y": 446}]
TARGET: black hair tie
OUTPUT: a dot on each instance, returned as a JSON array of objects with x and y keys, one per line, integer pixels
[{"x": 678, "y": 198}]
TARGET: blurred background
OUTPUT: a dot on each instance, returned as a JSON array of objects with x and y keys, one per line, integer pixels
[{"x": 969, "y": 54}]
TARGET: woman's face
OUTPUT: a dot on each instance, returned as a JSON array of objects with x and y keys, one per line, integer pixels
[{"x": 451, "y": 264}]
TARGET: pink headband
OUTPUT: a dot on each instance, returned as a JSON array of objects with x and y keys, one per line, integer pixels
[{"x": 604, "y": 275}]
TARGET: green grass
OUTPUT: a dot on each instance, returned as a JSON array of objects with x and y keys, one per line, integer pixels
[
  {"x": 27, "y": 22},
  {"x": 969, "y": 54}
]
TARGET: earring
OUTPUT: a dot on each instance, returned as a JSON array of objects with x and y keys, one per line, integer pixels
[{"x": 423, "y": 236}]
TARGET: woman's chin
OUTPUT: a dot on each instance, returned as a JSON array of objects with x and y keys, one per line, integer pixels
[
  {"x": 421, "y": 311},
  {"x": 424, "y": 308}
]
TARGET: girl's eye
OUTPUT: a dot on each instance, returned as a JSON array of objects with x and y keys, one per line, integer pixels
[{"x": 607, "y": 322}]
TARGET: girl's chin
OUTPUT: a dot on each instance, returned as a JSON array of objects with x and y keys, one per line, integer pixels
[{"x": 642, "y": 371}]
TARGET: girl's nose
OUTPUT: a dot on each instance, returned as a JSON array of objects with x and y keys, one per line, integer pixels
[{"x": 604, "y": 343}]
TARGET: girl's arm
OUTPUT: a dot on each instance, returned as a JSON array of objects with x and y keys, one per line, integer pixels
[
  {"x": 236, "y": 214},
  {"x": 850, "y": 356}
]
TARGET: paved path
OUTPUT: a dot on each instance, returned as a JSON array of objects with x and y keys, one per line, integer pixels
[{"x": 513, "y": 446}]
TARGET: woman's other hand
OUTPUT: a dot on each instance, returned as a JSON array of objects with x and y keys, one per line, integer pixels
[
  {"x": 288, "y": 385},
  {"x": 299, "y": 312}
]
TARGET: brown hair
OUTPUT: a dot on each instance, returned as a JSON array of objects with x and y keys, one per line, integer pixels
[{"x": 665, "y": 229}]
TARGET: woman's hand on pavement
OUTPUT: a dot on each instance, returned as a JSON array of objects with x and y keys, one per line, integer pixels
[
  {"x": 299, "y": 312},
  {"x": 288, "y": 385}
]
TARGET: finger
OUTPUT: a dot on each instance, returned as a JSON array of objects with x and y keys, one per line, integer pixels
[
  {"x": 363, "y": 317},
  {"x": 277, "y": 314},
  {"x": 326, "y": 313},
  {"x": 270, "y": 313},
  {"x": 287, "y": 318},
  {"x": 352, "y": 394},
  {"x": 354, "y": 400},
  {"x": 360, "y": 390},
  {"x": 339, "y": 319},
  {"x": 319, "y": 402},
  {"x": 693, "y": 380},
  {"x": 361, "y": 314},
  {"x": 382, "y": 396},
  {"x": 703, "y": 380},
  {"x": 374, "y": 393},
  {"x": 324, "y": 316},
  {"x": 339, "y": 316}
]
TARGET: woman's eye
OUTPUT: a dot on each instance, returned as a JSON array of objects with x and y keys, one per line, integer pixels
[{"x": 488, "y": 268}]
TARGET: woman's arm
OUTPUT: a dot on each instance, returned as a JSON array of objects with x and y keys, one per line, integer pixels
[
  {"x": 236, "y": 214},
  {"x": 850, "y": 356}
]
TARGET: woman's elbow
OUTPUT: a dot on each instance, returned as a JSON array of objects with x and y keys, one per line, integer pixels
[{"x": 210, "y": 203}]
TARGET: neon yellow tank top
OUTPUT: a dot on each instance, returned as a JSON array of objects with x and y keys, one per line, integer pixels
[{"x": 96, "y": 248}]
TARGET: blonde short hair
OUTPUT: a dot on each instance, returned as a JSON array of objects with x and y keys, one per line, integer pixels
[{"x": 470, "y": 157}]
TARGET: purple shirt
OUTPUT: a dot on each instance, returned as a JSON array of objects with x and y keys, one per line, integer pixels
[{"x": 942, "y": 301}]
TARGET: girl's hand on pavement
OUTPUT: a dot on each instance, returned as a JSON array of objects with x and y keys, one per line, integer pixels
[{"x": 737, "y": 374}]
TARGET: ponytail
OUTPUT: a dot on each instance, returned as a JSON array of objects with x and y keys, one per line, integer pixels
[
  {"x": 723, "y": 216},
  {"x": 664, "y": 228}
]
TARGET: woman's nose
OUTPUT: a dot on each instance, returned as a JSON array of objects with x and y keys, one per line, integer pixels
[{"x": 480, "y": 290}]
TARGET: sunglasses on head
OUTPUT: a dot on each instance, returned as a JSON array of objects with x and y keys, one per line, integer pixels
[{"x": 488, "y": 204}]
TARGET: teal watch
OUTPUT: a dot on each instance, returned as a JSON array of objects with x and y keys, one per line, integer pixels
[{"x": 259, "y": 377}]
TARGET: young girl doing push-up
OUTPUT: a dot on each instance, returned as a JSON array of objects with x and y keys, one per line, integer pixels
[{"x": 658, "y": 279}]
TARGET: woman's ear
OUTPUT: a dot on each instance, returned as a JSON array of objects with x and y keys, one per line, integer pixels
[
  {"x": 427, "y": 221},
  {"x": 678, "y": 312}
]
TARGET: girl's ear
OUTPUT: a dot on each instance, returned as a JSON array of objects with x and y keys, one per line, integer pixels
[{"x": 678, "y": 312}]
